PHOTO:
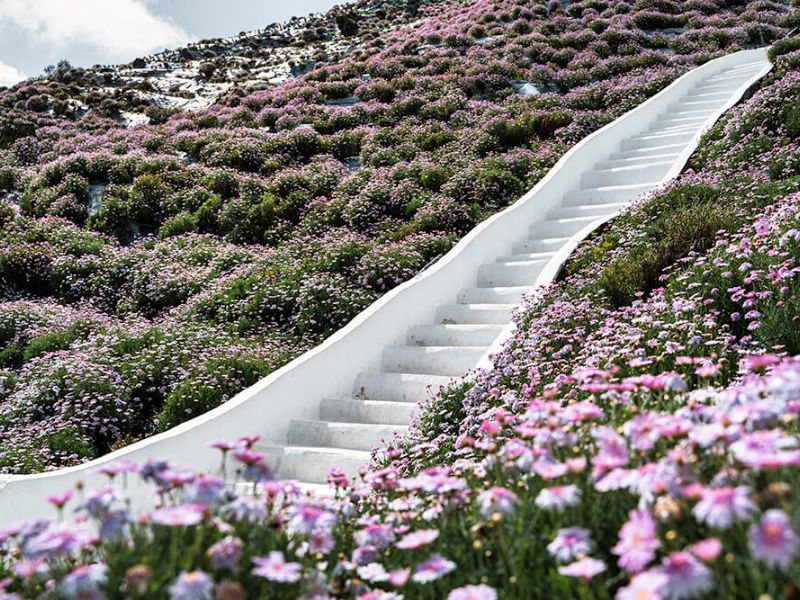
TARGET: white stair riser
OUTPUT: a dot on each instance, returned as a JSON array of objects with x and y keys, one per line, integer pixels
[
  {"x": 353, "y": 410},
  {"x": 549, "y": 244},
  {"x": 638, "y": 160},
  {"x": 341, "y": 435},
  {"x": 603, "y": 196},
  {"x": 594, "y": 210},
  {"x": 649, "y": 152},
  {"x": 472, "y": 313},
  {"x": 622, "y": 175},
  {"x": 398, "y": 387},
  {"x": 510, "y": 274},
  {"x": 493, "y": 295},
  {"x": 656, "y": 140},
  {"x": 313, "y": 464},
  {"x": 453, "y": 335},
  {"x": 435, "y": 361}
]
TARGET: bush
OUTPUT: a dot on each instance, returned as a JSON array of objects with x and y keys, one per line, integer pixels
[
  {"x": 178, "y": 225},
  {"x": 208, "y": 386},
  {"x": 326, "y": 303}
]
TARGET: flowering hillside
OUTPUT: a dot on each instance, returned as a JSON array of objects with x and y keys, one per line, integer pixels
[
  {"x": 147, "y": 274},
  {"x": 656, "y": 458}
]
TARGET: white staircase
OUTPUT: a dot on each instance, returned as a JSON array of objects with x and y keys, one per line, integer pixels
[
  {"x": 329, "y": 406},
  {"x": 346, "y": 429}
]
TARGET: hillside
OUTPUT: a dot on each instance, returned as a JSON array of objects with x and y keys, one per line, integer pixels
[
  {"x": 150, "y": 273},
  {"x": 637, "y": 436}
]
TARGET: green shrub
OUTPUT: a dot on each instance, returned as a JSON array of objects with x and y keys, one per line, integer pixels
[
  {"x": 216, "y": 381},
  {"x": 178, "y": 225}
]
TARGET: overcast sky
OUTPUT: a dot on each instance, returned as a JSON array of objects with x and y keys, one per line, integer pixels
[{"x": 37, "y": 33}]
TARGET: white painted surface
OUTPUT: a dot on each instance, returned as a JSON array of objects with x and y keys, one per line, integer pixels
[{"x": 361, "y": 373}]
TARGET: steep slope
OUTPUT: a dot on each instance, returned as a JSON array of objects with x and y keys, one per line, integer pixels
[
  {"x": 636, "y": 439},
  {"x": 172, "y": 265}
]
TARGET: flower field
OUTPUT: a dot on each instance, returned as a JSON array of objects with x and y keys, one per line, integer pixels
[
  {"x": 217, "y": 245},
  {"x": 637, "y": 438}
]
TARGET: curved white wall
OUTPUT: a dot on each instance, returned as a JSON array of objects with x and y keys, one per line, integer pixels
[{"x": 295, "y": 390}]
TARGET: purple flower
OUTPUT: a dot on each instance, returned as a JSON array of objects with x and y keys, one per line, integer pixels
[
  {"x": 687, "y": 577},
  {"x": 558, "y": 497},
  {"x": 83, "y": 581},
  {"x": 721, "y": 507},
  {"x": 275, "y": 568},
  {"x": 245, "y": 508},
  {"x": 638, "y": 541},
  {"x": 473, "y": 592},
  {"x": 417, "y": 539},
  {"x": 196, "y": 585},
  {"x": 184, "y": 515},
  {"x": 209, "y": 490},
  {"x": 225, "y": 554},
  {"x": 650, "y": 585},
  {"x": 497, "y": 500},
  {"x": 570, "y": 543},
  {"x": 585, "y": 568},
  {"x": 774, "y": 540},
  {"x": 373, "y": 572},
  {"x": 432, "y": 569},
  {"x": 375, "y": 534},
  {"x": 56, "y": 540}
]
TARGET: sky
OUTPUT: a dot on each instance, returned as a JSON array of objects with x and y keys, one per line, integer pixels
[{"x": 37, "y": 33}]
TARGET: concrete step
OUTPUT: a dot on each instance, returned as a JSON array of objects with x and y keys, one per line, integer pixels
[
  {"x": 355, "y": 436},
  {"x": 667, "y": 158},
  {"x": 670, "y": 119},
  {"x": 679, "y": 128},
  {"x": 494, "y": 295},
  {"x": 647, "y": 171},
  {"x": 311, "y": 464},
  {"x": 434, "y": 360},
  {"x": 453, "y": 335},
  {"x": 398, "y": 387},
  {"x": 607, "y": 194},
  {"x": 650, "y": 140},
  {"x": 674, "y": 148},
  {"x": 474, "y": 313},
  {"x": 587, "y": 210},
  {"x": 356, "y": 410},
  {"x": 515, "y": 273},
  {"x": 543, "y": 244},
  {"x": 704, "y": 94},
  {"x": 525, "y": 256},
  {"x": 560, "y": 227}
]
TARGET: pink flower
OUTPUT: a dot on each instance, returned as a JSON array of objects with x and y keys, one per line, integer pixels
[
  {"x": 59, "y": 500},
  {"x": 613, "y": 452},
  {"x": 497, "y": 500},
  {"x": 570, "y": 543},
  {"x": 721, "y": 507},
  {"x": 337, "y": 478},
  {"x": 558, "y": 497},
  {"x": 417, "y": 539},
  {"x": 399, "y": 577},
  {"x": 638, "y": 541},
  {"x": 275, "y": 568},
  {"x": 773, "y": 540},
  {"x": 196, "y": 585},
  {"x": 184, "y": 515},
  {"x": 686, "y": 576},
  {"x": 473, "y": 592},
  {"x": 433, "y": 568},
  {"x": 585, "y": 568},
  {"x": 649, "y": 585},
  {"x": 707, "y": 550}
]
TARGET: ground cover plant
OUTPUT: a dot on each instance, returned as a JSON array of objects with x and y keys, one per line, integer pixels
[
  {"x": 658, "y": 459},
  {"x": 251, "y": 230}
]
